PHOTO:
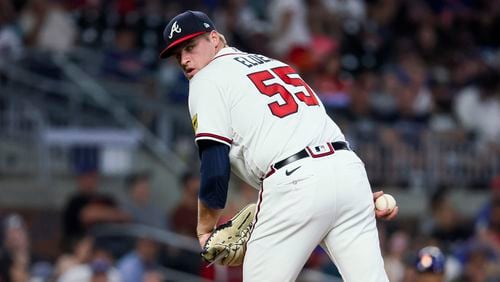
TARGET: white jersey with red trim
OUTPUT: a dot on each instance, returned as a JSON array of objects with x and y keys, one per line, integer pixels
[{"x": 258, "y": 106}]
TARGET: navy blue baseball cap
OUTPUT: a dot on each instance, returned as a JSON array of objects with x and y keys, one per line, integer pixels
[{"x": 184, "y": 27}]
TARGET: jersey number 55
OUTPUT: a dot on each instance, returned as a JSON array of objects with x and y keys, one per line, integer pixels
[{"x": 283, "y": 73}]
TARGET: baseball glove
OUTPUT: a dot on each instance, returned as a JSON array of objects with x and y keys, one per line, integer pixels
[{"x": 227, "y": 244}]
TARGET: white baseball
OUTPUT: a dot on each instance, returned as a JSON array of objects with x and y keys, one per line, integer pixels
[{"x": 385, "y": 201}]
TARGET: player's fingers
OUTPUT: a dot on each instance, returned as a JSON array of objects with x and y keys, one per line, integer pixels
[
  {"x": 381, "y": 214},
  {"x": 386, "y": 214},
  {"x": 377, "y": 194},
  {"x": 393, "y": 214},
  {"x": 202, "y": 239}
]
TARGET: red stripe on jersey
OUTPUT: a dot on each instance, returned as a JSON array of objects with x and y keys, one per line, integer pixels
[
  {"x": 271, "y": 172},
  {"x": 214, "y": 136},
  {"x": 257, "y": 212}
]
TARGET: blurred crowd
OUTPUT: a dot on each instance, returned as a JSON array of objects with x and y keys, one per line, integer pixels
[
  {"x": 407, "y": 80},
  {"x": 441, "y": 245},
  {"x": 404, "y": 79},
  {"x": 80, "y": 251}
]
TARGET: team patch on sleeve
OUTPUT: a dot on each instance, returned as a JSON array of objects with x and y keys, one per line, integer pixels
[{"x": 194, "y": 122}]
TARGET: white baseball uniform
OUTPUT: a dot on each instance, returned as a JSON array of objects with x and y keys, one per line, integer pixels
[{"x": 265, "y": 112}]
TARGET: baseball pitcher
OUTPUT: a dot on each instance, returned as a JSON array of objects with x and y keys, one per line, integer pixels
[{"x": 255, "y": 115}]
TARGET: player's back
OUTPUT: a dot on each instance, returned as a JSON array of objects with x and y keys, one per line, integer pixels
[{"x": 271, "y": 112}]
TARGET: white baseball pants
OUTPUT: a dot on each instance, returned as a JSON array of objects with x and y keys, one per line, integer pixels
[{"x": 326, "y": 201}]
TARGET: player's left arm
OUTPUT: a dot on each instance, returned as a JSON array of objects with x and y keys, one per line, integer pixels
[
  {"x": 215, "y": 173},
  {"x": 207, "y": 220},
  {"x": 384, "y": 214}
]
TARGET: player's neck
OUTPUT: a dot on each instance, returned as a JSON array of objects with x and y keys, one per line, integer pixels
[{"x": 218, "y": 48}]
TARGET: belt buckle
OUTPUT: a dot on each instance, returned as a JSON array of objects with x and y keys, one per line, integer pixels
[{"x": 320, "y": 150}]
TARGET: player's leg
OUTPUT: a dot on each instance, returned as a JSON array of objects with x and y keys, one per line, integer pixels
[
  {"x": 276, "y": 258},
  {"x": 353, "y": 242},
  {"x": 287, "y": 228}
]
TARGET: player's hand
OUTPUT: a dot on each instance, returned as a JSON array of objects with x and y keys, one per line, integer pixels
[
  {"x": 384, "y": 214},
  {"x": 202, "y": 239}
]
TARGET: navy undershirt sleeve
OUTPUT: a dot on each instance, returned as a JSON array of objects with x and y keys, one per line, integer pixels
[{"x": 215, "y": 171}]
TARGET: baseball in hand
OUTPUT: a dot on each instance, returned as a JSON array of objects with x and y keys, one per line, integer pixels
[{"x": 385, "y": 201}]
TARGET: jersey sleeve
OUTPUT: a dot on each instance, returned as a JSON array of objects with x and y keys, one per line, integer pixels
[{"x": 209, "y": 110}]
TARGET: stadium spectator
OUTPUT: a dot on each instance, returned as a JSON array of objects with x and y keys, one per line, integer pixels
[
  {"x": 184, "y": 216},
  {"x": 88, "y": 207},
  {"x": 184, "y": 222},
  {"x": 360, "y": 109},
  {"x": 238, "y": 21},
  {"x": 48, "y": 26},
  {"x": 332, "y": 87},
  {"x": 480, "y": 263},
  {"x": 80, "y": 253},
  {"x": 398, "y": 246},
  {"x": 141, "y": 262},
  {"x": 18, "y": 261},
  {"x": 418, "y": 104},
  {"x": 290, "y": 32},
  {"x": 430, "y": 265},
  {"x": 325, "y": 41},
  {"x": 449, "y": 227},
  {"x": 138, "y": 202},
  {"x": 442, "y": 119},
  {"x": 11, "y": 44},
  {"x": 491, "y": 236},
  {"x": 150, "y": 22},
  {"x": 347, "y": 10},
  {"x": 122, "y": 60},
  {"x": 15, "y": 254},
  {"x": 483, "y": 218},
  {"x": 384, "y": 100},
  {"x": 478, "y": 108},
  {"x": 100, "y": 268}
]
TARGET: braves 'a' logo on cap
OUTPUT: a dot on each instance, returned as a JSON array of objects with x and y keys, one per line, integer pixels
[{"x": 175, "y": 28}]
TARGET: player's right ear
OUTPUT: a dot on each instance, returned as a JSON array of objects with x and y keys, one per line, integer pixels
[{"x": 214, "y": 38}]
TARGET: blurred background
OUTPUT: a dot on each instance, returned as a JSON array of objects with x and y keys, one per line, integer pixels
[{"x": 98, "y": 167}]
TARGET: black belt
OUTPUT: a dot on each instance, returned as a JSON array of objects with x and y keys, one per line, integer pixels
[{"x": 339, "y": 145}]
